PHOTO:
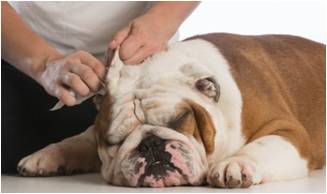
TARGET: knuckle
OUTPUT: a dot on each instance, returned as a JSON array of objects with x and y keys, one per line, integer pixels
[
  {"x": 74, "y": 80},
  {"x": 69, "y": 62},
  {"x": 85, "y": 73}
]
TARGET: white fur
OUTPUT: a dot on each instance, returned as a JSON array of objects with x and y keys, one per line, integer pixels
[
  {"x": 277, "y": 158},
  {"x": 269, "y": 158}
]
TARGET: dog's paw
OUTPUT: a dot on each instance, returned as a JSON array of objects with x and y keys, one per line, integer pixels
[
  {"x": 47, "y": 162},
  {"x": 233, "y": 173}
]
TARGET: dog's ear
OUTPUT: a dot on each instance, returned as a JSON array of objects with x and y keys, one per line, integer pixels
[
  {"x": 115, "y": 64},
  {"x": 103, "y": 118},
  {"x": 202, "y": 80},
  {"x": 209, "y": 87},
  {"x": 195, "y": 120}
]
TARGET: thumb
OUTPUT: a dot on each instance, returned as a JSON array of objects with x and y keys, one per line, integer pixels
[{"x": 119, "y": 37}]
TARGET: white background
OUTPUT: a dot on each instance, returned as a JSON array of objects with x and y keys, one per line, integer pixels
[{"x": 305, "y": 18}]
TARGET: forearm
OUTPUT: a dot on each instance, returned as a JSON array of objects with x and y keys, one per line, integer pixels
[
  {"x": 175, "y": 11},
  {"x": 22, "y": 47}
]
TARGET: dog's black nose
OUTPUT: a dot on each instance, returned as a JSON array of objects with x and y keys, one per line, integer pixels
[
  {"x": 152, "y": 144},
  {"x": 158, "y": 161}
]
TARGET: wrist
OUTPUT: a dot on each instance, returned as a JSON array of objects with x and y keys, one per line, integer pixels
[
  {"x": 174, "y": 13},
  {"x": 163, "y": 19}
]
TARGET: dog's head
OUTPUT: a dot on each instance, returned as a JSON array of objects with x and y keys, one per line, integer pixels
[{"x": 157, "y": 124}]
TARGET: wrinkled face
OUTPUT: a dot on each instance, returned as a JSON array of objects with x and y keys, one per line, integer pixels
[{"x": 155, "y": 126}]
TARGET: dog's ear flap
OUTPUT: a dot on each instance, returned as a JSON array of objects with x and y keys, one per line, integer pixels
[
  {"x": 202, "y": 80},
  {"x": 209, "y": 87},
  {"x": 114, "y": 65},
  {"x": 103, "y": 118}
]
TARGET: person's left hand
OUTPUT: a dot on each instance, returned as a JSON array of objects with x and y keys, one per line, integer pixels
[{"x": 143, "y": 37}]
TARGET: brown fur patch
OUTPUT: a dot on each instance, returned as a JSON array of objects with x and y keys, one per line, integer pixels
[
  {"x": 102, "y": 121},
  {"x": 282, "y": 83},
  {"x": 101, "y": 124}
]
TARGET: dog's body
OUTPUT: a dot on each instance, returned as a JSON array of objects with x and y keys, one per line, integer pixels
[{"x": 232, "y": 110}]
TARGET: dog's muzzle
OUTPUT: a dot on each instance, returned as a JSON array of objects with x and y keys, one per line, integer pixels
[
  {"x": 158, "y": 163},
  {"x": 159, "y": 168}
]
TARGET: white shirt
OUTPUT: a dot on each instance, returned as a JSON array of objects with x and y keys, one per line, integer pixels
[{"x": 71, "y": 26}]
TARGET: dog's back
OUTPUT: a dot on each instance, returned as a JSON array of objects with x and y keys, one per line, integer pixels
[{"x": 291, "y": 71}]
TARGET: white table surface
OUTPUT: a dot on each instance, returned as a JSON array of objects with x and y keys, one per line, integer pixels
[{"x": 316, "y": 182}]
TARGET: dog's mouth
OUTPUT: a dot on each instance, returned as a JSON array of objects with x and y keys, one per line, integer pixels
[
  {"x": 161, "y": 174},
  {"x": 158, "y": 163}
]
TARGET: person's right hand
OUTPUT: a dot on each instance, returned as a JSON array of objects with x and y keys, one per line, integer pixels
[{"x": 78, "y": 73}]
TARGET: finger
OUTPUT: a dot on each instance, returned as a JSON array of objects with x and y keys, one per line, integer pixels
[
  {"x": 144, "y": 52},
  {"x": 65, "y": 96},
  {"x": 89, "y": 60},
  {"x": 129, "y": 47},
  {"x": 119, "y": 37},
  {"x": 87, "y": 76},
  {"x": 139, "y": 56},
  {"x": 75, "y": 83}
]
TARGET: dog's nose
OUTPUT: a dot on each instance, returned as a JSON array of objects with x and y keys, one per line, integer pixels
[{"x": 152, "y": 144}]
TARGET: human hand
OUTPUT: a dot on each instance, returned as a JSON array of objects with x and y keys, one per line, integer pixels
[
  {"x": 78, "y": 73},
  {"x": 143, "y": 37}
]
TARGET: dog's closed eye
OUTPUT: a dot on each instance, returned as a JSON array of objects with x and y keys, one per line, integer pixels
[
  {"x": 184, "y": 122},
  {"x": 194, "y": 120},
  {"x": 178, "y": 121}
]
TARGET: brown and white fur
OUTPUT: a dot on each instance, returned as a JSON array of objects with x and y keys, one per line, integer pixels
[{"x": 240, "y": 110}]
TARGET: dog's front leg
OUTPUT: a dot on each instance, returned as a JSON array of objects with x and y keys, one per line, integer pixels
[
  {"x": 268, "y": 158},
  {"x": 72, "y": 155}
]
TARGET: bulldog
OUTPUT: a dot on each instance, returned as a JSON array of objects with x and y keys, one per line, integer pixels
[{"x": 219, "y": 109}]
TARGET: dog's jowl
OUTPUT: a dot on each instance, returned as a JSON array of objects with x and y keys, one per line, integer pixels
[{"x": 218, "y": 109}]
